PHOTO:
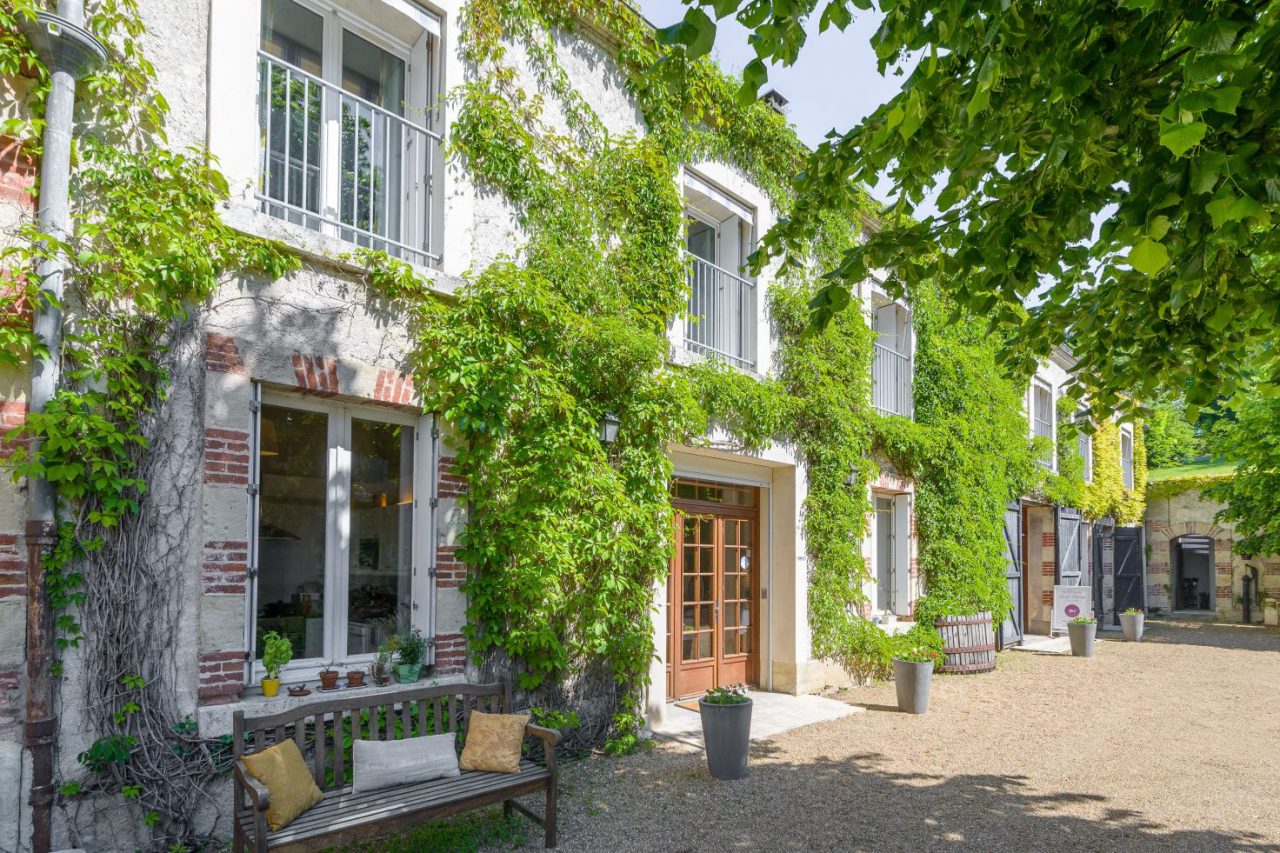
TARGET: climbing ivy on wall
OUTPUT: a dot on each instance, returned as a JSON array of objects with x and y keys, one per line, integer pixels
[
  {"x": 546, "y": 340},
  {"x": 969, "y": 456},
  {"x": 150, "y": 248}
]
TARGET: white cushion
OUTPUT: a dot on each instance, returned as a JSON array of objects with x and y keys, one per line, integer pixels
[{"x": 381, "y": 764}]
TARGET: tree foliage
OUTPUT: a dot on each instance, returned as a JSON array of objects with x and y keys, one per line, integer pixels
[
  {"x": 1171, "y": 438},
  {"x": 1119, "y": 157},
  {"x": 1252, "y": 496}
]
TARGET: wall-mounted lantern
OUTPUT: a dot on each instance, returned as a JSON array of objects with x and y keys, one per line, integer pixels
[{"x": 609, "y": 428}]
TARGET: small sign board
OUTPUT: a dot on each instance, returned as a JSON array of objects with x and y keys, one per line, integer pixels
[{"x": 1068, "y": 603}]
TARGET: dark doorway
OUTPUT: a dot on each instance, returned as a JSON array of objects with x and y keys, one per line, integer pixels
[
  {"x": 1130, "y": 589},
  {"x": 1193, "y": 572}
]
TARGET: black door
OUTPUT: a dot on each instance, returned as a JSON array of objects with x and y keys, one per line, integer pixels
[
  {"x": 1072, "y": 563},
  {"x": 1129, "y": 573},
  {"x": 1011, "y": 630}
]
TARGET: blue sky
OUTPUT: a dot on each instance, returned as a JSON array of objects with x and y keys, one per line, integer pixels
[{"x": 832, "y": 85}]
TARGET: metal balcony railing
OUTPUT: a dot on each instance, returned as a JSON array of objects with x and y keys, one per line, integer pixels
[
  {"x": 891, "y": 382},
  {"x": 341, "y": 165},
  {"x": 1043, "y": 428},
  {"x": 722, "y": 314}
]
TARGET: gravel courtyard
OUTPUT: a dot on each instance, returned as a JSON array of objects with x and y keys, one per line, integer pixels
[{"x": 1171, "y": 744}]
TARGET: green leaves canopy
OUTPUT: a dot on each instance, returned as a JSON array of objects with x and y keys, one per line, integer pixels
[
  {"x": 1252, "y": 496},
  {"x": 1118, "y": 157}
]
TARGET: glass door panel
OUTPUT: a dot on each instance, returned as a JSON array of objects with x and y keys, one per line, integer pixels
[
  {"x": 738, "y": 586},
  {"x": 698, "y": 599},
  {"x": 293, "y": 456},
  {"x": 381, "y": 551}
]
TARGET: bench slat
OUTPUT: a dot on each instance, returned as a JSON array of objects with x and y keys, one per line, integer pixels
[
  {"x": 339, "y": 749},
  {"x": 318, "y": 762},
  {"x": 340, "y": 810}
]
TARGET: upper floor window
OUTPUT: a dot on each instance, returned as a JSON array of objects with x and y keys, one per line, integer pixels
[
  {"x": 346, "y": 145},
  {"x": 1042, "y": 425},
  {"x": 1084, "y": 445},
  {"x": 891, "y": 368},
  {"x": 1126, "y": 456},
  {"x": 719, "y": 234}
]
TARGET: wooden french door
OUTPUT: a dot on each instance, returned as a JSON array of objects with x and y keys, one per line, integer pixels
[{"x": 713, "y": 596}]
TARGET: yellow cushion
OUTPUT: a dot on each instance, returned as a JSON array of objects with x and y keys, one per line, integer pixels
[
  {"x": 493, "y": 742},
  {"x": 290, "y": 788}
]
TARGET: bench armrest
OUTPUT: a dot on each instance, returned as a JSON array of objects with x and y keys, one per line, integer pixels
[
  {"x": 550, "y": 739},
  {"x": 257, "y": 791}
]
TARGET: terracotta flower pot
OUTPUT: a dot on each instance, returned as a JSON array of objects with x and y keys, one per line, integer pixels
[
  {"x": 329, "y": 678},
  {"x": 355, "y": 678}
]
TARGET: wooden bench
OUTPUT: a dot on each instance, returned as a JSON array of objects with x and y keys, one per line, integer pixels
[{"x": 324, "y": 732}]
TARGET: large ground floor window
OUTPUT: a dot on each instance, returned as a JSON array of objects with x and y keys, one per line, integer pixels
[{"x": 336, "y": 525}]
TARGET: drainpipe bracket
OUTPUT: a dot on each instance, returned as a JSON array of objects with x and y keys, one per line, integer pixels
[
  {"x": 62, "y": 45},
  {"x": 41, "y": 533},
  {"x": 40, "y": 732}
]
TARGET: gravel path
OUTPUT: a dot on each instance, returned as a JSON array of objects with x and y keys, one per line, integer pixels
[{"x": 1171, "y": 744}]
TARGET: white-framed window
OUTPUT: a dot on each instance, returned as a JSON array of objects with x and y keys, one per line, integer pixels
[
  {"x": 722, "y": 311},
  {"x": 1126, "y": 455},
  {"x": 1042, "y": 420},
  {"x": 1084, "y": 445},
  {"x": 337, "y": 555},
  {"x": 892, "y": 369},
  {"x": 347, "y": 143}
]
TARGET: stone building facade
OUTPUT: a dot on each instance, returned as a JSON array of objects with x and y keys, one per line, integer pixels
[{"x": 1185, "y": 544}]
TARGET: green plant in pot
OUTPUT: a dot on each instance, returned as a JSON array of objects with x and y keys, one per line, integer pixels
[
  {"x": 411, "y": 646},
  {"x": 1133, "y": 623},
  {"x": 1083, "y": 631},
  {"x": 276, "y": 652},
  {"x": 726, "y": 730},
  {"x": 913, "y": 676},
  {"x": 382, "y": 664}
]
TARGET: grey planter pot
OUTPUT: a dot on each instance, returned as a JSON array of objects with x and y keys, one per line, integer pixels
[
  {"x": 726, "y": 731},
  {"x": 1082, "y": 638},
  {"x": 912, "y": 682},
  {"x": 1132, "y": 625}
]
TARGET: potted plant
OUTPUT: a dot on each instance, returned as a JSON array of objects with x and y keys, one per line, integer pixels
[
  {"x": 329, "y": 677},
  {"x": 382, "y": 665},
  {"x": 726, "y": 730},
  {"x": 276, "y": 652},
  {"x": 1131, "y": 623},
  {"x": 355, "y": 678},
  {"x": 912, "y": 677},
  {"x": 1083, "y": 630},
  {"x": 410, "y": 647}
]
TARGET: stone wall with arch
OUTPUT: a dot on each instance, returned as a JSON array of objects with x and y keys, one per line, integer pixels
[{"x": 1186, "y": 514}]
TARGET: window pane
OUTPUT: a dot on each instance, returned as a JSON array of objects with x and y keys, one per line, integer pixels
[
  {"x": 293, "y": 450},
  {"x": 381, "y": 558},
  {"x": 372, "y": 142},
  {"x": 701, "y": 240},
  {"x": 290, "y": 109},
  {"x": 292, "y": 33}
]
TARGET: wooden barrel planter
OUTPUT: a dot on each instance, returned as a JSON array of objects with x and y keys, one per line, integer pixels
[{"x": 969, "y": 643}]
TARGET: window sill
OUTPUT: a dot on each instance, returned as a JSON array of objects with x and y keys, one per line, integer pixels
[
  {"x": 246, "y": 217},
  {"x": 681, "y": 356},
  {"x": 215, "y": 720}
]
